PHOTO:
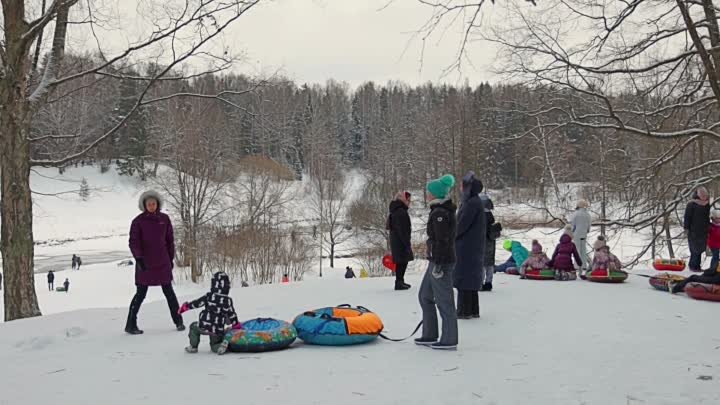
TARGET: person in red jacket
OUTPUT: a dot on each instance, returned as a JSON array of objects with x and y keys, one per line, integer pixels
[
  {"x": 562, "y": 259},
  {"x": 714, "y": 239}
]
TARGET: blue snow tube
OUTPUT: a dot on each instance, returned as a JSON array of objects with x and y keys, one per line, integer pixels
[
  {"x": 338, "y": 326},
  {"x": 261, "y": 335}
]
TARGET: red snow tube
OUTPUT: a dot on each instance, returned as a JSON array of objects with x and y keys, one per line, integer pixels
[
  {"x": 388, "y": 262},
  {"x": 669, "y": 264},
  {"x": 701, "y": 291}
]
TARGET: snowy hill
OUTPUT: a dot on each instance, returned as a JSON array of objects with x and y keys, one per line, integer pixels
[{"x": 537, "y": 342}]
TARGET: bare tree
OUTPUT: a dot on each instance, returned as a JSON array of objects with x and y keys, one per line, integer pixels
[
  {"x": 200, "y": 168},
  {"x": 329, "y": 191},
  {"x": 181, "y": 31},
  {"x": 645, "y": 71}
]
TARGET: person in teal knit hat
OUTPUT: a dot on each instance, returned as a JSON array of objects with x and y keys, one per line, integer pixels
[
  {"x": 436, "y": 290},
  {"x": 441, "y": 187}
]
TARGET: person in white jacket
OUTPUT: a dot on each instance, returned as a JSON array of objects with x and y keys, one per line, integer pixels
[{"x": 581, "y": 227}]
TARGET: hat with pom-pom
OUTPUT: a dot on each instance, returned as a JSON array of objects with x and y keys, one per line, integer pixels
[
  {"x": 536, "y": 246},
  {"x": 600, "y": 243},
  {"x": 440, "y": 188}
]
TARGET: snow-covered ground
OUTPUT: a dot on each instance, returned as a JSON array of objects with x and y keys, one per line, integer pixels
[{"x": 536, "y": 342}]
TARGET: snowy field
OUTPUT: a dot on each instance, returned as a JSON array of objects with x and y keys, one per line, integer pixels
[{"x": 537, "y": 342}]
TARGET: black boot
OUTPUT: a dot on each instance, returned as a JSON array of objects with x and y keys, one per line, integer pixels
[
  {"x": 400, "y": 287},
  {"x": 131, "y": 324},
  {"x": 487, "y": 287}
]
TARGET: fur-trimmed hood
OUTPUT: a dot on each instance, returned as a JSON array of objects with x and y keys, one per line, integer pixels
[{"x": 150, "y": 194}]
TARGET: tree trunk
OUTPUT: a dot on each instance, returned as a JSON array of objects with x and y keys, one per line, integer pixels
[
  {"x": 16, "y": 205},
  {"x": 16, "y": 241},
  {"x": 666, "y": 225},
  {"x": 332, "y": 255}
]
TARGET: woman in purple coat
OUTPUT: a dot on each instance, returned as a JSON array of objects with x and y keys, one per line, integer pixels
[{"x": 153, "y": 246}]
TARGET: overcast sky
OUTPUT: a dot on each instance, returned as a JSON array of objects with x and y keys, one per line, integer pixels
[
  {"x": 352, "y": 41},
  {"x": 347, "y": 40}
]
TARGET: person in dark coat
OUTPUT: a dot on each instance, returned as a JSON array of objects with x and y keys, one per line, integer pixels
[
  {"x": 494, "y": 231},
  {"x": 79, "y": 262},
  {"x": 470, "y": 241},
  {"x": 398, "y": 223},
  {"x": 66, "y": 284},
  {"x": 218, "y": 311},
  {"x": 710, "y": 276},
  {"x": 152, "y": 245},
  {"x": 51, "y": 280},
  {"x": 697, "y": 226},
  {"x": 436, "y": 289},
  {"x": 74, "y": 262},
  {"x": 562, "y": 259},
  {"x": 349, "y": 273}
]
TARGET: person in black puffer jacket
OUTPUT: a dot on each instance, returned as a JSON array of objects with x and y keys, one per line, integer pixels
[
  {"x": 218, "y": 312},
  {"x": 697, "y": 224},
  {"x": 398, "y": 223},
  {"x": 436, "y": 289}
]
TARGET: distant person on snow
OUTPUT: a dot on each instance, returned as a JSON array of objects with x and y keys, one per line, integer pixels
[
  {"x": 436, "y": 289},
  {"x": 603, "y": 259},
  {"x": 697, "y": 224},
  {"x": 470, "y": 238},
  {"x": 51, "y": 280},
  {"x": 562, "y": 259},
  {"x": 285, "y": 279},
  {"x": 66, "y": 284},
  {"x": 538, "y": 260},
  {"x": 74, "y": 262},
  {"x": 79, "y": 262},
  {"x": 152, "y": 244},
  {"x": 349, "y": 273},
  {"x": 581, "y": 227},
  {"x": 398, "y": 223},
  {"x": 218, "y": 311},
  {"x": 494, "y": 231}
]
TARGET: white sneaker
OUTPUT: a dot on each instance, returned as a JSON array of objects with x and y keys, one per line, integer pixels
[{"x": 223, "y": 348}]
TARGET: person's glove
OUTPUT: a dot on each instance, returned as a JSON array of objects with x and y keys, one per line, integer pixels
[
  {"x": 238, "y": 325},
  {"x": 140, "y": 264},
  {"x": 184, "y": 308}
]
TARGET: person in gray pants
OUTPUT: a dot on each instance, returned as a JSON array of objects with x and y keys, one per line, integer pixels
[
  {"x": 581, "y": 227},
  {"x": 436, "y": 290}
]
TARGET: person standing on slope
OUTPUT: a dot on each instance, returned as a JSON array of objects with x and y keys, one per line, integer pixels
[
  {"x": 152, "y": 245},
  {"x": 494, "y": 230},
  {"x": 436, "y": 289},
  {"x": 51, "y": 280},
  {"x": 697, "y": 225},
  {"x": 66, "y": 284},
  {"x": 580, "y": 228},
  {"x": 470, "y": 241},
  {"x": 398, "y": 223},
  {"x": 74, "y": 262}
]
